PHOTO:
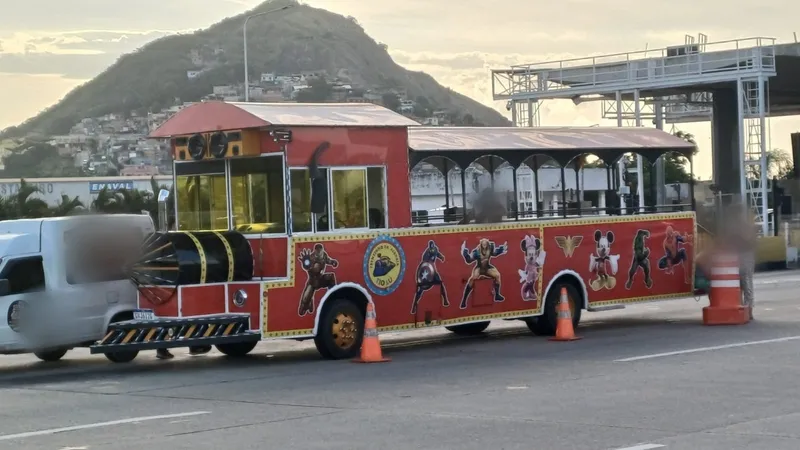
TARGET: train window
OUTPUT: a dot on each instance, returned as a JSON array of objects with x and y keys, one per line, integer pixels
[
  {"x": 303, "y": 220},
  {"x": 349, "y": 193},
  {"x": 376, "y": 190},
  {"x": 202, "y": 196},
  {"x": 257, "y": 195}
]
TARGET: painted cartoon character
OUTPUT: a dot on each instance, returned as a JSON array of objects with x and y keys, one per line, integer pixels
[
  {"x": 640, "y": 260},
  {"x": 382, "y": 266},
  {"x": 674, "y": 253},
  {"x": 314, "y": 263},
  {"x": 534, "y": 261},
  {"x": 482, "y": 256},
  {"x": 602, "y": 260},
  {"x": 428, "y": 275}
]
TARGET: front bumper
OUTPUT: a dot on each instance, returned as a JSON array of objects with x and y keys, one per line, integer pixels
[{"x": 176, "y": 332}]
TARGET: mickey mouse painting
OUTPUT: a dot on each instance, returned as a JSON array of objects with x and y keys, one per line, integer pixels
[{"x": 602, "y": 260}]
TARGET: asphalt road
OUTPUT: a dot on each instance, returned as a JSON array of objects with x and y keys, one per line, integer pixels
[{"x": 648, "y": 377}]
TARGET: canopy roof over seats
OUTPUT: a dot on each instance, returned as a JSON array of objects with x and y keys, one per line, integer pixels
[
  {"x": 212, "y": 116},
  {"x": 465, "y": 145}
]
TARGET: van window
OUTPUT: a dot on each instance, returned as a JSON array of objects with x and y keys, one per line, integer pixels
[
  {"x": 96, "y": 254},
  {"x": 24, "y": 275}
]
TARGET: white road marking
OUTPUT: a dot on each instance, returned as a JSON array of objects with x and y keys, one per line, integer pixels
[
  {"x": 516, "y": 388},
  {"x": 643, "y": 447},
  {"x": 777, "y": 281},
  {"x": 708, "y": 349},
  {"x": 8, "y": 437}
]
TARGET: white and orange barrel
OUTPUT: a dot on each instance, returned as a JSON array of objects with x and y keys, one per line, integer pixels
[{"x": 725, "y": 289}]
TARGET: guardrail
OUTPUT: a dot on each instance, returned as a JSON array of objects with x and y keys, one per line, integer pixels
[{"x": 676, "y": 62}]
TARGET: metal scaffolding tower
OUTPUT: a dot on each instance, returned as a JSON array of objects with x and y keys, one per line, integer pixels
[{"x": 671, "y": 85}]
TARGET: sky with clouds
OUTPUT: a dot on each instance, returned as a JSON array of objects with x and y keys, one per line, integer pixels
[{"x": 48, "y": 47}]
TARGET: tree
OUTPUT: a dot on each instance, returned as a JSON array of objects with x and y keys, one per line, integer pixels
[
  {"x": 22, "y": 204},
  {"x": 779, "y": 164},
  {"x": 67, "y": 206},
  {"x": 391, "y": 101},
  {"x": 319, "y": 91},
  {"x": 37, "y": 159}
]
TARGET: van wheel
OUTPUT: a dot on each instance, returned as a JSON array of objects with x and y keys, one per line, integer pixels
[
  {"x": 469, "y": 329},
  {"x": 236, "y": 350},
  {"x": 122, "y": 357},
  {"x": 545, "y": 325},
  {"x": 340, "y": 331},
  {"x": 51, "y": 355}
]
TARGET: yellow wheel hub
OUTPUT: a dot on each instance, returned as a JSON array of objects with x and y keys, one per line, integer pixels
[{"x": 344, "y": 331}]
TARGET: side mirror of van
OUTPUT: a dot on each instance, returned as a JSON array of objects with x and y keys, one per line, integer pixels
[{"x": 5, "y": 287}]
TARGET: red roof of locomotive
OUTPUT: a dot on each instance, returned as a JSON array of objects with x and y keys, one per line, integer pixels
[
  {"x": 206, "y": 117},
  {"x": 443, "y": 139}
]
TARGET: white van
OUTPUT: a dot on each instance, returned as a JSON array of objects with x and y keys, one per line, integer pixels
[{"x": 63, "y": 280}]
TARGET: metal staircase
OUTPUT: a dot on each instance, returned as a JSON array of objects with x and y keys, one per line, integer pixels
[{"x": 755, "y": 168}]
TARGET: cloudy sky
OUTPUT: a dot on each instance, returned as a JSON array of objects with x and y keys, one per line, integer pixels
[{"x": 48, "y": 47}]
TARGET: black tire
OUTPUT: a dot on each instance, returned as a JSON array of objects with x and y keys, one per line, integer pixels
[
  {"x": 329, "y": 344},
  {"x": 545, "y": 325},
  {"x": 237, "y": 350},
  {"x": 122, "y": 357},
  {"x": 51, "y": 355},
  {"x": 469, "y": 329}
]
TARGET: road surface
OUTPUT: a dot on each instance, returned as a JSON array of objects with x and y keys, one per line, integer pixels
[{"x": 648, "y": 377}]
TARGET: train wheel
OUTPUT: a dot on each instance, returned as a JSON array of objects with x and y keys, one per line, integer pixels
[
  {"x": 51, "y": 355},
  {"x": 237, "y": 350},
  {"x": 545, "y": 325},
  {"x": 469, "y": 329},
  {"x": 340, "y": 331},
  {"x": 122, "y": 357}
]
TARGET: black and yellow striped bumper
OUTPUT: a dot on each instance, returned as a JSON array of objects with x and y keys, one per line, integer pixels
[{"x": 176, "y": 332}]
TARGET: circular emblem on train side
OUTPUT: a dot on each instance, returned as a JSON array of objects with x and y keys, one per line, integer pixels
[{"x": 384, "y": 265}]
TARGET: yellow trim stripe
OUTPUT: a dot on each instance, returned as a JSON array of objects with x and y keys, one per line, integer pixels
[
  {"x": 129, "y": 336},
  {"x": 149, "y": 335},
  {"x": 202, "y": 254},
  {"x": 210, "y": 330},
  {"x": 110, "y": 333},
  {"x": 190, "y": 331},
  {"x": 229, "y": 252},
  {"x": 228, "y": 329}
]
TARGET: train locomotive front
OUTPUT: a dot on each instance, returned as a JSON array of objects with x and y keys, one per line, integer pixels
[{"x": 169, "y": 260}]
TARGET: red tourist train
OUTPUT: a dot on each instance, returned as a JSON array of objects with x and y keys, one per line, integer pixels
[{"x": 291, "y": 218}]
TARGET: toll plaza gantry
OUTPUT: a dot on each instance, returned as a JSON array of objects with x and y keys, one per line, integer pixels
[{"x": 736, "y": 85}]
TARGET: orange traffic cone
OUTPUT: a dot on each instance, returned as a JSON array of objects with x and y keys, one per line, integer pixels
[
  {"x": 564, "y": 329},
  {"x": 371, "y": 345}
]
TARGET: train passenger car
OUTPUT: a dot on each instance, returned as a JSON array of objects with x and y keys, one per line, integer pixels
[{"x": 291, "y": 218}]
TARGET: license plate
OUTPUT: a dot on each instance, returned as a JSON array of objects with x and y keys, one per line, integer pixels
[{"x": 144, "y": 314}]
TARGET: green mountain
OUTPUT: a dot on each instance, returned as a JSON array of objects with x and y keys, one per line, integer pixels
[{"x": 299, "y": 38}]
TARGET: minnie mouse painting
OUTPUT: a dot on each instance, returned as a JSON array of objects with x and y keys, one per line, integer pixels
[
  {"x": 534, "y": 260},
  {"x": 602, "y": 260}
]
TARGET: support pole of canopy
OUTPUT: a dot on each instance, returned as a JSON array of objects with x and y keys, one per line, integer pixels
[
  {"x": 659, "y": 168},
  {"x": 446, "y": 171},
  {"x": 639, "y": 158},
  {"x": 516, "y": 195},
  {"x": 536, "y": 187},
  {"x": 621, "y": 163},
  {"x": 691, "y": 183},
  {"x": 563, "y": 193},
  {"x": 464, "y": 193}
]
